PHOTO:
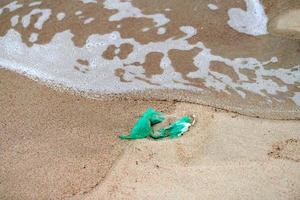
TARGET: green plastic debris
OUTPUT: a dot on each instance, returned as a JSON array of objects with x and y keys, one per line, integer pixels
[
  {"x": 175, "y": 129},
  {"x": 143, "y": 127}
]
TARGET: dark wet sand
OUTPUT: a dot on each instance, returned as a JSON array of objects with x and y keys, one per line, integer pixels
[{"x": 212, "y": 30}]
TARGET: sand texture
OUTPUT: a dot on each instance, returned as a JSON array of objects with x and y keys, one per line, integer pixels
[
  {"x": 224, "y": 156},
  {"x": 76, "y": 74},
  {"x": 53, "y": 144}
]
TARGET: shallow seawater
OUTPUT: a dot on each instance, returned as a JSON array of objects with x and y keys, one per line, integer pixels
[{"x": 221, "y": 51}]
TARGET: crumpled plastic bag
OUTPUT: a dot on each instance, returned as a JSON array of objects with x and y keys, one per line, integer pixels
[
  {"x": 144, "y": 126},
  {"x": 175, "y": 129}
]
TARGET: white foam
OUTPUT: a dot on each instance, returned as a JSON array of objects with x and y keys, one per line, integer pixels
[
  {"x": 36, "y": 3},
  {"x": 296, "y": 98},
  {"x": 41, "y": 20},
  {"x": 117, "y": 51},
  {"x": 88, "y": 20},
  {"x": 78, "y": 12},
  {"x": 14, "y": 20},
  {"x": 48, "y": 62},
  {"x": 189, "y": 30},
  {"x": 212, "y": 6},
  {"x": 126, "y": 10},
  {"x": 33, "y": 37},
  {"x": 11, "y": 7},
  {"x": 145, "y": 29},
  {"x": 88, "y": 1},
  {"x": 253, "y": 21},
  {"x": 54, "y": 62},
  {"x": 161, "y": 30},
  {"x": 60, "y": 16}
]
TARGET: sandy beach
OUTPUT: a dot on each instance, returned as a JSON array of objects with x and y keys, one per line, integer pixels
[
  {"x": 221, "y": 157},
  {"x": 74, "y": 75},
  {"x": 57, "y": 145},
  {"x": 54, "y": 144}
]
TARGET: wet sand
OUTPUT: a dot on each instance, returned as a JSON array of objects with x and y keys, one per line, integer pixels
[{"x": 224, "y": 56}]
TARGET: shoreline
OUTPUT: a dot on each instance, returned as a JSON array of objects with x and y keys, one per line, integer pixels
[{"x": 263, "y": 111}]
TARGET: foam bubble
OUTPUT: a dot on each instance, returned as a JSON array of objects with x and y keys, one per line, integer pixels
[
  {"x": 212, "y": 6},
  {"x": 33, "y": 37},
  {"x": 88, "y": 1},
  {"x": 78, "y": 12},
  {"x": 161, "y": 31},
  {"x": 14, "y": 20},
  {"x": 88, "y": 20},
  {"x": 60, "y": 16},
  {"x": 36, "y": 3}
]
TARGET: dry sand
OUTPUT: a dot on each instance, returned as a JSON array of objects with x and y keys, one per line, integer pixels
[
  {"x": 224, "y": 156},
  {"x": 55, "y": 145}
]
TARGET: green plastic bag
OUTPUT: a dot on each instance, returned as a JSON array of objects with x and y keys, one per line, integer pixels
[
  {"x": 175, "y": 129},
  {"x": 143, "y": 126}
]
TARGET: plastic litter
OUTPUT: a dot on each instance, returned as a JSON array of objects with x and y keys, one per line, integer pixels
[
  {"x": 144, "y": 126},
  {"x": 175, "y": 129}
]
